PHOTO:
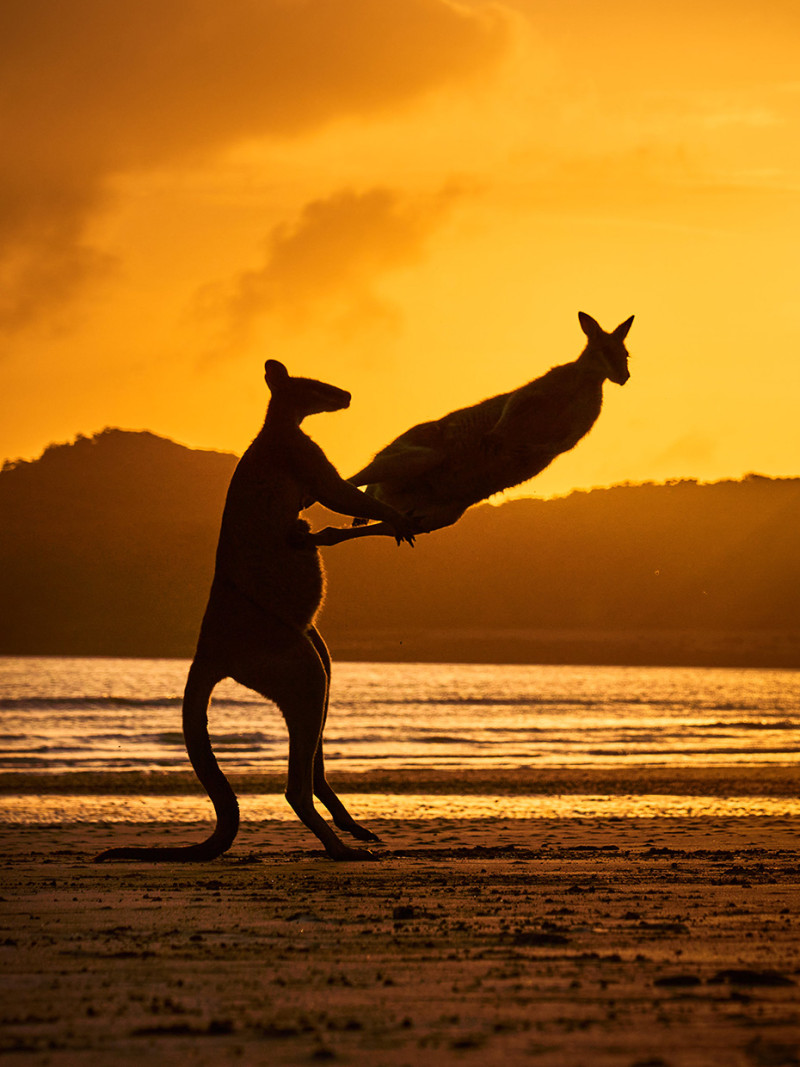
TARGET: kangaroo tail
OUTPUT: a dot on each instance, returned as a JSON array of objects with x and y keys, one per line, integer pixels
[{"x": 196, "y": 697}]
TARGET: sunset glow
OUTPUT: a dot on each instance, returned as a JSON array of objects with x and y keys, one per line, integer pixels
[{"x": 410, "y": 200}]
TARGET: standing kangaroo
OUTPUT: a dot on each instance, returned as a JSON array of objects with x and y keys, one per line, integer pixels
[
  {"x": 259, "y": 627},
  {"x": 436, "y": 470}
]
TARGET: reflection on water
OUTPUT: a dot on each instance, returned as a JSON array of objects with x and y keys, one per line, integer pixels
[{"x": 106, "y": 715}]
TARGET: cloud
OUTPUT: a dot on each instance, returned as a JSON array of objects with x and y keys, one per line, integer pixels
[
  {"x": 94, "y": 89},
  {"x": 44, "y": 258},
  {"x": 328, "y": 260}
]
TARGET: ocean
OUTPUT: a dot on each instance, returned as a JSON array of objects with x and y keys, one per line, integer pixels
[{"x": 109, "y": 721}]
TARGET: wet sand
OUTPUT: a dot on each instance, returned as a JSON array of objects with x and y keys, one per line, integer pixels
[{"x": 595, "y": 941}]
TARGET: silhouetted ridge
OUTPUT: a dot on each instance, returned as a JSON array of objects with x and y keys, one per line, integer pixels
[
  {"x": 108, "y": 547},
  {"x": 118, "y": 473}
]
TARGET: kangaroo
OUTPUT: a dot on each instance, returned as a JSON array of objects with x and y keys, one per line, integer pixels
[
  {"x": 258, "y": 627},
  {"x": 436, "y": 470}
]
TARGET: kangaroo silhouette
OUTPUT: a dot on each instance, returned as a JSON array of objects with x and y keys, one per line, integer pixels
[
  {"x": 258, "y": 627},
  {"x": 436, "y": 470}
]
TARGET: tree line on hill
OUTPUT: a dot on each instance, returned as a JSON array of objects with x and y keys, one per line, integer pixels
[{"x": 108, "y": 547}]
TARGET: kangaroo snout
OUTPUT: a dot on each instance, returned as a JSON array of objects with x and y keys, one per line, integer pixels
[{"x": 336, "y": 399}]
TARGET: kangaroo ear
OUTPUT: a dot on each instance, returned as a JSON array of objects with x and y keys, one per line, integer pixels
[
  {"x": 275, "y": 374},
  {"x": 621, "y": 331},
  {"x": 588, "y": 325}
]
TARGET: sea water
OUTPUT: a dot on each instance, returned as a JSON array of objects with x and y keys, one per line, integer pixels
[{"x": 107, "y": 716}]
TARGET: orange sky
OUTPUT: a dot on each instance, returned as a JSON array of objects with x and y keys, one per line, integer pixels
[{"x": 412, "y": 200}]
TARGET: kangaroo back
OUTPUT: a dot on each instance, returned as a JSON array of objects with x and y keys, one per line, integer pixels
[{"x": 436, "y": 470}]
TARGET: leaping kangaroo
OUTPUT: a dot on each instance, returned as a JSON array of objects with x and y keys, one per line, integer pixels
[
  {"x": 436, "y": 470},
  {"x": 259, "y": 627}
]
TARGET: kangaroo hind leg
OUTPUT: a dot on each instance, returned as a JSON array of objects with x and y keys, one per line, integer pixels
[
  {"x": 298, "y": 683},
  {"x": 322, "y": 788}
]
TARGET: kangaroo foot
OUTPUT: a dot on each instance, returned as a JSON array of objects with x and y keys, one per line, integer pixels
[
  {"x": 360, "y": 833},
  {"x": 334, "y": 846},
  {"x": 342, "y": 819}
]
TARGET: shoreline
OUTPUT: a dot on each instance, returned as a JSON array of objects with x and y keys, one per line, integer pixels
[
  {"x": 767, "y": 649},
  {"x": 766, "y": 778},
  {"x": 369, "y": 808},
  {"x": 736, "y": 649}
]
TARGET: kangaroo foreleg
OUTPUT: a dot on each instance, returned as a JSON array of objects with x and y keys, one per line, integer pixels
[{"x": 334, "y": 535}]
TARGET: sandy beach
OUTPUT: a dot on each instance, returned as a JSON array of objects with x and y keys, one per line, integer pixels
[{"x": 667, "y": 942}]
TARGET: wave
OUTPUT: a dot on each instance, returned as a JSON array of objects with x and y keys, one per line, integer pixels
[
  {"x": 90, "y": 703},
  {"x": 73, "y": 703},
  {"x": 614, "y": 701},
  {"x": 451, "y": 700},
  {"x": 750, "y": 724},
  {"x": 235, "y": 740},
  {"x": 80, "y": 703},
  {"x": 345, "y": 704}
]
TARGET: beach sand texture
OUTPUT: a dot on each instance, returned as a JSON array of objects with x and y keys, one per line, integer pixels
[{"x": 555, "y": 942}]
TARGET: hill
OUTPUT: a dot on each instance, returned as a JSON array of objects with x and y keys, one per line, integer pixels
[{"x": 108, "y": 547}]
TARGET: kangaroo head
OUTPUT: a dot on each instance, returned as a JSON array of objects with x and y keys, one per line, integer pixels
[
  {"x": 304, "y": 396},
  {"x": 607, "y": 349}
]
